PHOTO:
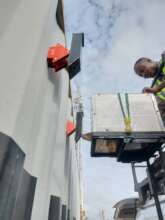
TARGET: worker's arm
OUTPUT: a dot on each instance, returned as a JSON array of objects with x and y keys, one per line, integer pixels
[{"x": 154, "y": 89}]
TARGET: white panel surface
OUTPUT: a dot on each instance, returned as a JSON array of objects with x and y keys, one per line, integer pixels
[{"x": 107, "y": 114}]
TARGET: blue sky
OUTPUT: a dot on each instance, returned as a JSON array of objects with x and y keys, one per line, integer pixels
[{"x": 117, "y": 32}]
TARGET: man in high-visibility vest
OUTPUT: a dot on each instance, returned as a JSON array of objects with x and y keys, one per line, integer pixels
[{"x": 148, "y": 68}]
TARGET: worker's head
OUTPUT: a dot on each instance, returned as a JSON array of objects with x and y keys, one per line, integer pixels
[{"x": 145, "y": 67}]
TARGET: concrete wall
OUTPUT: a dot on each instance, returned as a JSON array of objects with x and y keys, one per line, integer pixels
[{"x": 34, "y": 104}]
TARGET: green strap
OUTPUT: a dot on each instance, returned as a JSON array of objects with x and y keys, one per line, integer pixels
[
  {"x": 121, "y": 106},
  {"x": 127, "y": 104},
  {"x": 127, "y": 113},
  {"x": 127, "y": 118}
]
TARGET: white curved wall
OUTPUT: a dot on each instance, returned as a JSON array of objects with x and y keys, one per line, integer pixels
[{"x": 34, "y": 103}]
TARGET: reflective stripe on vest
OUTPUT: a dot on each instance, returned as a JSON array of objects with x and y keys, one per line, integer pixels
[{"x": 161, "y": 94}]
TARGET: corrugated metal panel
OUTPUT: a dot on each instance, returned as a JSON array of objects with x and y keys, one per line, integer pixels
[
  {"x": 64, "y": 212},
  {"x": 17, "y": 187},
  {"x": 54, "y": 208}
]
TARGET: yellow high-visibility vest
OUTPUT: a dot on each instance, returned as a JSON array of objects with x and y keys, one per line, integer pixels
[{"x": 159, "y": 81}]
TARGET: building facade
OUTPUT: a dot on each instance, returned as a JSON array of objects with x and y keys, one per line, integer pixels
[{"x": 39, "y": 175}]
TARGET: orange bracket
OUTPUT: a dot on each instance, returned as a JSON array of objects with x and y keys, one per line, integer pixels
[
  {"x": 70, "y": 128},
  {"x": 57, "y": 57}
]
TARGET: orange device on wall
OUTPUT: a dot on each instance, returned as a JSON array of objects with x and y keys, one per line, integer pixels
[{"x": 57, "y": 57}]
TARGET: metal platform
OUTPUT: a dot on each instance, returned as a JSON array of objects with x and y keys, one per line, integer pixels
[
  {"x": 137, "y": 147},
  {"x": 108, "y": 136}
]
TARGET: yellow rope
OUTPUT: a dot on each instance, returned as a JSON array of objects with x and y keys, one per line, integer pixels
[{"x": 128, "y": 127}]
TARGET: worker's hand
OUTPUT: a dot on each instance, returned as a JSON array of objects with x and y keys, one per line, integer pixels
[{"x": 150, "y": 90}]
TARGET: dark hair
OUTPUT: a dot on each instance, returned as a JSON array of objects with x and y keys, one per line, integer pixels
[{"x": 139, "y": 62}]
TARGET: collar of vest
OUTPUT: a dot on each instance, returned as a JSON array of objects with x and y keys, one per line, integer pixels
[{"x": 159, "y": 71}]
